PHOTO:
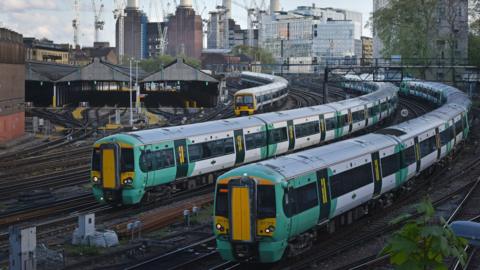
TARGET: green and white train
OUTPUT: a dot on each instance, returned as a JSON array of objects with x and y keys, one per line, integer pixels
[
  {"x": 127, "y": 166},
  {"x": 274, "y": 208}
]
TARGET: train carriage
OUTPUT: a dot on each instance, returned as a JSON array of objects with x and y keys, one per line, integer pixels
[
  {"x": 273, "y": 208},
  {"x": 127, "y": 166}
]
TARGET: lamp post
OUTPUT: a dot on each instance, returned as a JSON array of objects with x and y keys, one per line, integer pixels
[{"x": 131, "y": 102}]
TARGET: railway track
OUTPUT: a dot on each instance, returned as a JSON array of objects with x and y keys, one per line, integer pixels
[{"x": 370, "y": 229}]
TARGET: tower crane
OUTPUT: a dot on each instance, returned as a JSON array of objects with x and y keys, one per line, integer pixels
[
  {"x": 76, "y": 23},
  {"x": 252, "y": 20},
  {"x": 119, "y": 15},
  {"x": 162, "y": 33},
  {"x": 99, "y": 22}
]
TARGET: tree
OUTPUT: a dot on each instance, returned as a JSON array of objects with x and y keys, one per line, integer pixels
[
  {"x": 154, "y": 64},
  {"x": 404, "y": 27},
  {"x": 422, "y": 243},
  {"x": 256, "y": 53}
]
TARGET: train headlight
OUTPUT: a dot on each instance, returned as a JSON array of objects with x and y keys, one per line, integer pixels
[
  {"x": 128, "y": 181},
  {"x": 96, "y": 180},
  {"x": 219, "y": 227},
  {"x": 270, "y": 229}
]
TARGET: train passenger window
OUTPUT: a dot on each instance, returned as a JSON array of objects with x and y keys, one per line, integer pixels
[
  {"x": 372, "y": 111},
  {"x": 207, "y": 150},
  {"x": 383, "y": 106},
  {"x": 96, "y": 159},
  {"x": 391, "y": 164},
  {"x": 255, "y": 140},
  {"x": 307, "y": 197},
  {"x": 221, "y": 201},
  {"x": 358, "y": 116},
  {"x": 163, "y": 159},
  {"x": 266, "y": 207},
  {"x": 277, "y": 135},
  {"x": 447, "y": 135},
  {"x": 146, "y": 161},
  {"x": 428, "y": 146},
  {"x": 127, "y": 160},
  {"x": 307, "y": 129},
  {"x": 289, "y": 202},
  {"x": 330, "y": 123},
  {"x": 409, "y": 156},
  {"x": 351, "y": 180}
]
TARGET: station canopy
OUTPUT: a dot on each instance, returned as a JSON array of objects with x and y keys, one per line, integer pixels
[
  {"x": 98, "y": 71},
  {"x": 179, "y": 71},
  {"x": 46, "y": 71}
]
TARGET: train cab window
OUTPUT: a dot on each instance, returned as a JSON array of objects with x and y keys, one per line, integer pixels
[
  {"x": 350, "y": 180},
  {"x": 277, "y": 135},
  {"x": 447, "y": 135},
  {"x": 221, "y": 201},
  {"x": 307, "y": 129},
  {"x": 96, "y": 159},
  {"x": 244, "y": 100},
  {"x": 163, "y": 159},
  {"x": 255, "y": 140},
  {"x": 358, "y": 116},
  {"x": 391, "y": 164},
  {"x": 330, "y": 123},
  {"x": 409, "y": 156},
  {"x": 266, "y": 207},
  {"x": 428, "y": 146},
  {"x": 127, "y": 160}
]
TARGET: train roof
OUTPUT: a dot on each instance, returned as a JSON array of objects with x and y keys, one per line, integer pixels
[
  {"x": 275, "y": 83},
  {"x": 275, "y": 117},
  {"x": 309, "y": 161},
  {"x": 180, "y": 132}
]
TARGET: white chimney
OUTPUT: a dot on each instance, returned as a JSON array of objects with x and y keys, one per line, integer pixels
[
  {"x": 186, "y": 3},
  {"x": 228, "y": 5},
  {"x": 274, "y": 6},
  {"x": 133, "y": 4}
]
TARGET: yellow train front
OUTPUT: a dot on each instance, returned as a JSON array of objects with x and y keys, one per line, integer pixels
[
  {"x": 245, "y": 104},
  {"x": 247, "y": 224},
  {"x": 267, "y": 90}
]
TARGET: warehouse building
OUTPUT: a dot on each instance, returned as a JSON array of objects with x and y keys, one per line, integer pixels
[{"x": 12, "y": 85}]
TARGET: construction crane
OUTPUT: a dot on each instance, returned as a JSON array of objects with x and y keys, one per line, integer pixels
[
  {"x": 252, "y": 19},
  {"x": 119, "y": 15},
  {"x": 76, "y": 23},
  {"x": 162, "y": 33},
  {"x": 99, "y": 22}
]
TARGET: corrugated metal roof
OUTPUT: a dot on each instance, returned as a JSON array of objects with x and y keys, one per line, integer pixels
[
  {"x": 46, "y": 71},
  {"x": 96, "y": 71},
  {"x": 179, "y": 71}
]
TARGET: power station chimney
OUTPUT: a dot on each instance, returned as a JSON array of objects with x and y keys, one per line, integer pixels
[
  {"x": 274, "y": 6},
  {"x": 133, "y": 4},
  {"x": 186, "y": 3},
  {"x": 228, "y": 6}
]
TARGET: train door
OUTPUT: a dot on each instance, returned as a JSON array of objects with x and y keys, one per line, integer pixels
[
  {"x": 417, "y": 154},
  {"x": 241, "y": 194},
  {"x": 366, "y": 115},
  {"x": 110, "y": 165},
  {"x": 324, "y": 195},
  {"x": 350, "y": 121},
  {"x": 181, "y": 158},
  {"x": 377, "y": 174},
  {"x": 291, "y": 135},
  {"x": 439, "y": 144},
  {"x": 323, "y": 128},
  {"x": 239, "y": 147}
]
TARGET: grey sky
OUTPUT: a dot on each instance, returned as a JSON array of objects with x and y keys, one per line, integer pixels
[{"x": 52, "y": 18}]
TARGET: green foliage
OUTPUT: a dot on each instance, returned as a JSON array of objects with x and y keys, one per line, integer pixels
[
  {"x": 423, "y": 243},
  {"x": 474, "y": 49},
  {"x": 155, "y": 64},
  {"x": 256, "y": 53},
  {"x": 404, "y": 27},
  {"x": 82, "y": 250}
]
